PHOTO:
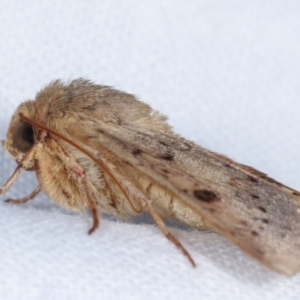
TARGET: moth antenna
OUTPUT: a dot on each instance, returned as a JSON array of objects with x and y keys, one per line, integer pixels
[{"x": 87, "y": 153}]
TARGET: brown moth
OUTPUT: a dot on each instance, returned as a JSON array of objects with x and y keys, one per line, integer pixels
[{"x": 99, "y": 149}]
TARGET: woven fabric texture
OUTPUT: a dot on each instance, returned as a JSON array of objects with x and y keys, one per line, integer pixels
[{"x": 227, "y": 75}]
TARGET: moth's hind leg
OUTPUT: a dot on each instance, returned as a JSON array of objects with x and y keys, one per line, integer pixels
[
  {"x": 80, "y": 175},
  {"x": 24, "y": 199},
  {"x": 92, "y": 206},
  {"x": 162, "y": 226}
]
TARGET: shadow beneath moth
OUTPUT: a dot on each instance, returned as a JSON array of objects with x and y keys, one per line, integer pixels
[{"x": 99, "y": 149}]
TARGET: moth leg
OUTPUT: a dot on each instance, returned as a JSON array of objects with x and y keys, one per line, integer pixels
[
  {"x": 26, "y": 163},
  {"x": 79, "y": 173},
  {"x": 11, "y": 179},
  {"x": 24, "y": 199},
  {"x": 92, "y": 206},
  {"x": 165, "y": 230}
]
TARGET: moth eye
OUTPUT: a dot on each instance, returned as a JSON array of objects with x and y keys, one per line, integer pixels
[{"x": 23, "y": 136}]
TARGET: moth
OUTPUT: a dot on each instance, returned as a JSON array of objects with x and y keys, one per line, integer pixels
[{"x": 99, "y": 149}]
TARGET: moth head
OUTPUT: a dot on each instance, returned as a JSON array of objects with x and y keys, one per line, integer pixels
[{"x": 20, "y": 136}]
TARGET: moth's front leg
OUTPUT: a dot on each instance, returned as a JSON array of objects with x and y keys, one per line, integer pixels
[
  {"x": 27, "y": 162},
  {"x": 78, "y": 172},
  {"x": 24, "y": 199},
  {"x": 68, "y": 186}
]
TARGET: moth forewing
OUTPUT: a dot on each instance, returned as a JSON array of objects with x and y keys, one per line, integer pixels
[
  {"x": 127, "y": 159},
  {"x": 257, "y": 213}
]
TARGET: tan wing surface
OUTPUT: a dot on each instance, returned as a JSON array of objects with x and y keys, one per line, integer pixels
[{"x": 257, "y": 213}]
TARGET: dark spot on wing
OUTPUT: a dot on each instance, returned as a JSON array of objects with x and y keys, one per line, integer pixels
[
  {"x": 90, "y": 107},
  {"x": 165, "y": 171},
  {"x": 262, "y": 209},
  {"x": 252, "y": 179},
  {"x": 266, "y": 221},
  {"x": 254, "y": 233},
  {"x": 227, "y": 165},
  {"x": 163, "y": 143},
  {"x": 136, "y": 152},
  {"x": 99, "y": 130},
  {"x": 205, "y": 195},
  {"x": 167, "y": 156},
  {"x": 255, "y": 196},
  {"x": 184, "y": 191},
  {"x": 296, "y": 194}
]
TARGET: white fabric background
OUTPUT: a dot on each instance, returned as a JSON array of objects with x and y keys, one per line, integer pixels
[{"x": 227, "y": 75}]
